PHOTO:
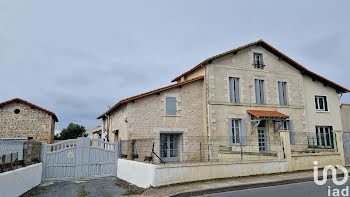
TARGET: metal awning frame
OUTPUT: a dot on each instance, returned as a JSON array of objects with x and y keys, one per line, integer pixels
[{"x": 258, "y": 120}]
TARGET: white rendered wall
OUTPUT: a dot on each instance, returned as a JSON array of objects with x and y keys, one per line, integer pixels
[
  {"x": 146, "y": 175},
  {"x": 17, "y": 182}
]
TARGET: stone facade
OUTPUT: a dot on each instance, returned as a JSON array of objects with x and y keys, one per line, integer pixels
[
  {"x": 94, "y": 133},
  {"x": 28, "y": 122},
  {"x": 204, "y": 107}
]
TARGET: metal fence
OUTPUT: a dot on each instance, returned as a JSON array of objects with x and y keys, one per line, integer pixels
[
  {"x": 178, "y": 148},
  {"x": 18, "y": 153}
]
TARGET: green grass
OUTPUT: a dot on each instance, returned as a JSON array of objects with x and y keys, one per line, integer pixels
[{"x": 82, "y": 192}]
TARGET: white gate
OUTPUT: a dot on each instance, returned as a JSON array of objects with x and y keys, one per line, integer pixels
[{"x": 79, "y": 158}]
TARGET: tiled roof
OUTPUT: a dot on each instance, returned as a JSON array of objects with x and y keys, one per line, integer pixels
[
  {"x": 267, "y": 114},
  {"x": 302, "y": 69},
  {"x": 149, "y": 93},
  {"x": 18, "y": 100},
  {"x": 345, "y": 104}
]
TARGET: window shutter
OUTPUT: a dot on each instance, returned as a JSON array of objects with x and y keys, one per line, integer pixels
[
  {"x": 170, "y": 105},
  {"x": 291, "y": 129},
  {"x": 257, "y": 91},
  {"x": 231, "y": 87},
  {"x": 284, "y": 89},
  {"x": 230, "y": 130},
  {"x": 280, "y": 92},
  {"x": 262, "y": 99},
  {"x": 236, "y": 90},
  {"x": 243, "y": 132}
]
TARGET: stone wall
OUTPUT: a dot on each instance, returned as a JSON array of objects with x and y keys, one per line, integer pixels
[
  {"x": 240, "y": 66},
  {"x": 28, "y": 122},
  {"x": 146, "y": 119}
]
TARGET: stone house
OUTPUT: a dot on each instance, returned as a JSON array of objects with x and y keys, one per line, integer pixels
[
  {"x": 20, "y": 118},
  {"x": 345, "y": 117},
  {"x": 245, "y": 96},
  {"x": 94, "y": 133}
]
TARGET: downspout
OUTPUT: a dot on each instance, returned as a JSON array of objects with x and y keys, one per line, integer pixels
[{"x": 107, "y": 128}]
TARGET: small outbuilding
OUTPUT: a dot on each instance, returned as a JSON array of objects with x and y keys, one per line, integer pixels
[{"x": 20, "y": 118}]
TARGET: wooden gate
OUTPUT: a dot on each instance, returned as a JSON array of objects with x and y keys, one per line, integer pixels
[{"x": 79, "y": 158}]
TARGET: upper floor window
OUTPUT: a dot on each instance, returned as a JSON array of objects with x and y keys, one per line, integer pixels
[
  {"x": 258, "y": 61},
  {"x": 282, "y": 90},
  {"x": 259, "y": 91},
  {"x": 234, "y": 89},
  {"x": 321, "y": 103},
  {"x": 170, "y": 106}
]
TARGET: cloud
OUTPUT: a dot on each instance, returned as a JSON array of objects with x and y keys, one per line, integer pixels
[{"x": 75, "y": 58}]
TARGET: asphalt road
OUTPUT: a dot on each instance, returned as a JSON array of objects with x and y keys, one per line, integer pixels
[{"x": 309, "y": 189}]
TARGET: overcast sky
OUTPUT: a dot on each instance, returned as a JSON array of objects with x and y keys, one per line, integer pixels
[{"x": 75, "y": 58}]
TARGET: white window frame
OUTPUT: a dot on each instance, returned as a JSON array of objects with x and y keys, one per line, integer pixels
[
  {"x": 318, "y": 135},
  {"x": 261, "y": 60},
  {"x": 284, "y": 125},
  {"x": 234, "y": 99},
  {"x": 284, "y": 93},
  {"x": 321, "y": 110},
  {"x": 263, "y": 92},
  {"x": 234, "y": 131}
]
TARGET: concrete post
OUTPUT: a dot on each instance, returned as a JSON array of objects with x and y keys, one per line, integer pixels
[
  {"x": 339, "y": 145},
  {"x": 285, "y": 140}
]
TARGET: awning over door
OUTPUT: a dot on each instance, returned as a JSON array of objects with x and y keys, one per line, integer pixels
[
  {"x": 262, "y": 114},
  {"x": 259, "y": 115}
]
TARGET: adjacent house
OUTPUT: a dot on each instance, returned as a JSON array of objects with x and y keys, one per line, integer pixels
[
  {"x": 22, "y": 119},
  {"x": 94, "y": 133},
  {"x": 345, "y": 115},
  {"x": 245, "y": 96}
]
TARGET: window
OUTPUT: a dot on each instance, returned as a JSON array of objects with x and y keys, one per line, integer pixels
[
  {"x": 170, "y": 106},
  {"x": 235, "y": 130},
  {"x": 259, "y": 91},
  {"x": 234, "y": 89},
  {"x": 282, "y": 90},
  {"x": 17, "y": 111},
  {"x": 324, "y": 136},
  {"x": 321, "y": 103},
  {"x": 258, "y": 61},
  {"x": 284, "y": 125}
]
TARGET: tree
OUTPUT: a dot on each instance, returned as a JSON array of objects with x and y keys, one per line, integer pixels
[{"x": 73, "y": 131}]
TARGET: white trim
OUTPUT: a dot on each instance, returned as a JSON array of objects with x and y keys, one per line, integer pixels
[
  {"x": 319, "y": 111},
  {"x": 239, "y": 89}
]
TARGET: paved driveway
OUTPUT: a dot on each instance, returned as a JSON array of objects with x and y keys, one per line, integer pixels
[{"x": 104, "y": 187}]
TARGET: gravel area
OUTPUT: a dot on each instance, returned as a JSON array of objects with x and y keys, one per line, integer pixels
[{"x": 104, "y": 187}]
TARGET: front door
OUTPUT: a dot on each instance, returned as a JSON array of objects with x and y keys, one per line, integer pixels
[
  {"x": 262, "y": 139},
  {"x": 169, "y": 147}
]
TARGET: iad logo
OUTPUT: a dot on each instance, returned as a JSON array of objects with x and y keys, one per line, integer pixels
[
  {"x": 332, "y": 191},
  {"x": 334, "y": 174}
]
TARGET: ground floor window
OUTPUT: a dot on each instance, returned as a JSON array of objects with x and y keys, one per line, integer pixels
[
  {"x": 324, "y": 136},
  {"x": 235, "y": 130},
  {"x": 169, "y": 147},
  {"x": 284, "y": 125}
]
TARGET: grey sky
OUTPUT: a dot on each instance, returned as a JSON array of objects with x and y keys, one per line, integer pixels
[{"x": 77, "y": 57}]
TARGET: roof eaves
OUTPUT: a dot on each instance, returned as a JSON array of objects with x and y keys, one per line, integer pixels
[
  {"x": 18, "y": 100},
  {"x": 148, "y": 93},
  {"x": 302, "y": 69}
]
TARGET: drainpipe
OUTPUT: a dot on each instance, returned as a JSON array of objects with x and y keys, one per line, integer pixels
[{"x": 105, "y": 136}]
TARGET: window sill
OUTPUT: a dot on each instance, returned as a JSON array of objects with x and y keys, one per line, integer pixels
[
  {"x": 171, "y": 116},
  {"x": 322, "y": 111}
]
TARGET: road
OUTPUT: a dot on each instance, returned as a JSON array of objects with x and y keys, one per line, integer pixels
[{"x": 309, "y": 189}]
